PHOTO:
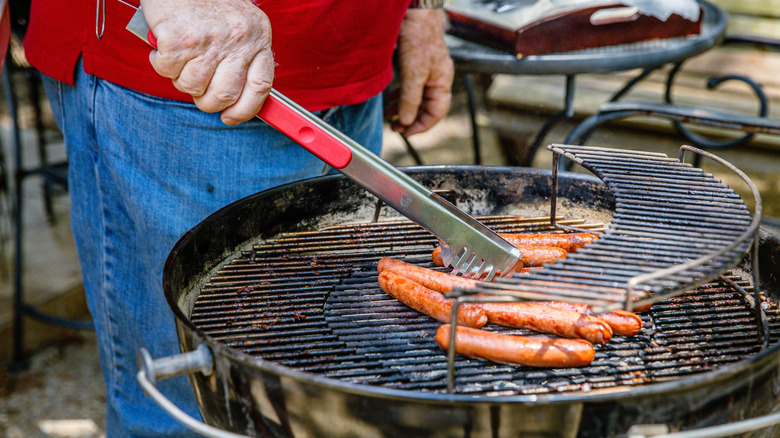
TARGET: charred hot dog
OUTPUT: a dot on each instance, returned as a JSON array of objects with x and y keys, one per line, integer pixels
[
  {"x": 438, "y": 281},
  {"x": 429, "y": 302},
  {"x": 545, "y": 319},
  {"x": 621, "y": 322}
]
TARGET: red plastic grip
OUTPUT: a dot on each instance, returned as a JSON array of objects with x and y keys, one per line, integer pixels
[
  {"x": 306, "y": 133},
  {"x": 151, "y": 39}
]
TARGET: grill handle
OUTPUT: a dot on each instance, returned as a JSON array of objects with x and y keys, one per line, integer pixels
[
  {"x": 151, "y": 370},
  {"x": 719, "y": 431}
]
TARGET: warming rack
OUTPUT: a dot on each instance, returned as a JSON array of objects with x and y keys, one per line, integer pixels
[{"x": 674, "y": 227}]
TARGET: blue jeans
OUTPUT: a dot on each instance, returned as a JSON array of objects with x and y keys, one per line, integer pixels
[{"x": 143, "y": 171}]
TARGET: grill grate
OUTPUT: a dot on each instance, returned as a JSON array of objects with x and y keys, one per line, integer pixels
[
  {"x": 674, "y": 227},
  {"x": 310, "y": 301}
]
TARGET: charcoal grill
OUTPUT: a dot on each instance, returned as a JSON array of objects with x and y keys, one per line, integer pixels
[{"x": 275, "y": 298}]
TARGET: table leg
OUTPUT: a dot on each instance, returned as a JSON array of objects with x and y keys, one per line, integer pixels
[
  {"x": 712, "y": 83},
  {"x": 566, "y": 113},
  {"x": 468, "y": 84}
]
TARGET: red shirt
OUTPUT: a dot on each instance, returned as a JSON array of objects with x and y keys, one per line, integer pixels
[{"x": 328, "y": 52}]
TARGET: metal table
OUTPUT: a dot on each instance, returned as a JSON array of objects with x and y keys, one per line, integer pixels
[{"x": 473, "y": 58}]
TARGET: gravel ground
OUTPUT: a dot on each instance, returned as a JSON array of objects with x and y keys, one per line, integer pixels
[{"x": 60, "y": 395}]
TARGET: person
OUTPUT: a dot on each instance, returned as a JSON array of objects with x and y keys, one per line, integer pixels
[{"x": 159, "y": 139}]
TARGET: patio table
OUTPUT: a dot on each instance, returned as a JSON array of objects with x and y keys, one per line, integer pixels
[{"x": 473, "y": 58}]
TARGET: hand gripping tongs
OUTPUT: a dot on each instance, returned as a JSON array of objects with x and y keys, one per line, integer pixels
[{"x": 467, "y": 245}]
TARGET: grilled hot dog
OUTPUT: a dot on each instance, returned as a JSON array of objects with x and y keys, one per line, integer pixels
[
  {"x": 620, "y": 321},
  {"x": 533, "y": 316},
  {"x": 429, "y": 302},
  {"x": 546, "y": 319},
  {"x": 529, "y": 255},
  {"x": 521, "y": 350},
  {"x": 569, "y": 241},
  {"x": 438, "y": 281},
  {"x": 558, "y": 317}
]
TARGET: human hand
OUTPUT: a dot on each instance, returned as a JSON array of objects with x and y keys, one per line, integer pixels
[
  {"x": 218, "y": 51},
  {"x": 426, "y": 71}
]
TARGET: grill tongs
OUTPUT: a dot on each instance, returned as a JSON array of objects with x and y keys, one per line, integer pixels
[{"x": 467, "y": 245}]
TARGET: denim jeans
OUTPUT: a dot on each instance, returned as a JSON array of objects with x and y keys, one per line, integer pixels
[{"x": 142, "y": 171}]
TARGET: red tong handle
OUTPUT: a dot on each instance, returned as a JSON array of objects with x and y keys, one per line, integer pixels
[
  {"x": 151, "y": 39},
  {"x": 301, "y": 129},
  {"x": 304, "y": 131}
]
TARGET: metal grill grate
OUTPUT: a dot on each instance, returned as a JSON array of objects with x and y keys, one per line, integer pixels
[
  {"x": 674, "y": 227},
  {"x": 310, "y": 301}
]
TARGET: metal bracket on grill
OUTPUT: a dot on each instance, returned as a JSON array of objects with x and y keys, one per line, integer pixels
[{"x": 754, "y": 299}]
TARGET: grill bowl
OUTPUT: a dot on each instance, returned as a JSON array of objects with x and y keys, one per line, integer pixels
[{"x": 248, "y": 395}]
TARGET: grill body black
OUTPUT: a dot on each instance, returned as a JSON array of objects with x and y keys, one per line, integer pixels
[{"x": 266, "y": 398}]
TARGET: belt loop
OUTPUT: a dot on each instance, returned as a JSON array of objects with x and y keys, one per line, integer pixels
[{"x": 100, "y": 21}]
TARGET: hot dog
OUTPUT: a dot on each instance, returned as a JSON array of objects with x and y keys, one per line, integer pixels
[
  {"x": 529, "y": 255},
  {"x": 429, "y": 302},
  {"x": 521, "y": 350},
  {"x": 542, "y": 319},
  {"x": 546, "y": 319},
  {"x": 620, "y": 321},
  {"x": 574, "y": 306},
  {"x": 569, "y": 241},
  {"x": 438, "y": 281}
]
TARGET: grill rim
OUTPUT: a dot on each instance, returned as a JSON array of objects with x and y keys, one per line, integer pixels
[{"x": 755, "y": 364}]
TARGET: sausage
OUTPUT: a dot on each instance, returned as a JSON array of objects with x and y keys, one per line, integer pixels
[
  {"x": 547, "y": 319},
  {"x": 569, "y": 241},
  {"x": 429, "y": 302},
  {"x": 529, "y": 255},
  {"x": 621, "y": 322},
  {"x": 520, "y": 350},
  {"x": 539, "y": 255},
  {"x": 438, "y": 281}
]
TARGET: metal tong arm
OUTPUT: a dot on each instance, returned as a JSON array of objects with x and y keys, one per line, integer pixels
[{"x": 365, "y": 168}]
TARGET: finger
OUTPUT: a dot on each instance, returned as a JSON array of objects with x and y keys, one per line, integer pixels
[
  {"x": 164, "y": 67},
  {"x": 224, "y": 88},
  {"x": 169, "y": 59},
  {"x": 258, "y": 84},
  {"x": 196, "y": 75},
  {"x": 434, "y": 109},
  {"x": 412, "y": 87}
]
